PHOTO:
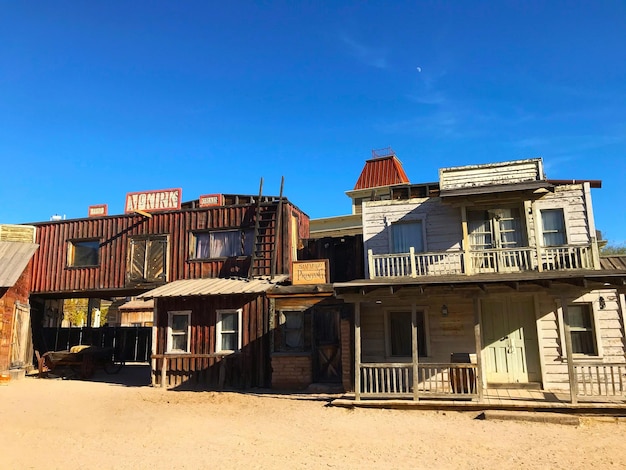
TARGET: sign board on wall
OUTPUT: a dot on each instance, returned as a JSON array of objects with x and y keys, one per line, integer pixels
[
  {"x": 314, "y": 271},
  {"x": 153, "y": 201},
  {"x": 98, "y": 211},
  {"x": 209, "y": 200}
]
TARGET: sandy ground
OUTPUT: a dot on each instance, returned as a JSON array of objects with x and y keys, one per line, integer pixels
[{"x": 73, "y": 424}]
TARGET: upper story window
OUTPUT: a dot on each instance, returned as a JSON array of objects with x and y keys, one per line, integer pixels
[
  {"x": 148, "y": 259},
  {"x": 83, "y": 253},
  {"x": 405, "y": 235},
  {"x": 553, "y": 222},
  {"x": 221, "y": 244}
]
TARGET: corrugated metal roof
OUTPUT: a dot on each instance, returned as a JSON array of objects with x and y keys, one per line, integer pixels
[
  {"x": 213, "y": 286},
  {"x": 14, "y": 257},
  {"x": 383, "y": 171},
  {"x": 137, "y": 304}
]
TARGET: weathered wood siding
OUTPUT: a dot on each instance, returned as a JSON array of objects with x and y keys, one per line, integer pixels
[
  {"x": 570, "y": 198},
  {"x": 442, "y": 223},
  {"x": 444, "y": 335},
  {"x": 51, "y": 273},
  {"x": 249, "y": 368},
  {"x": 490, "y": 174}
]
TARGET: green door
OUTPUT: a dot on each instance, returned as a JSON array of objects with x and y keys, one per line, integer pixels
[{"x": 510, "y": 347}]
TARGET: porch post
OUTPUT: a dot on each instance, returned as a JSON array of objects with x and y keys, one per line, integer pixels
[
  {"x": 479, "y": 349},
  {"x": 414, "y": 351},
  {"x": 370, "y": 264},
  {"x": 466, "y": 244},
  {"x": 357, "y": 351},
  {"x": 573, "y": 382}
]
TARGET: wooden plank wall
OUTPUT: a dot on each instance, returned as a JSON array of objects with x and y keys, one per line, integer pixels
[
  {"x": 250, "y": 369},
  {"x": 571, "y": 198},
  {"x": 442, "y": 223},
  {"x": 52, "y": 275},
  {"x": 489, "y": 174}
]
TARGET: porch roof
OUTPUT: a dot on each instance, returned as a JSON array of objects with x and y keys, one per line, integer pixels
[
  {"x": 612, "y": 278},
  {"x": 496, "y": 188},
  {"x": 213, "y": 286},
  {"x": 14, "y": 257}
]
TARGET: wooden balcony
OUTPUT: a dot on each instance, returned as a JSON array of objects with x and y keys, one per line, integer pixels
[{"x": 500, "y": 260}]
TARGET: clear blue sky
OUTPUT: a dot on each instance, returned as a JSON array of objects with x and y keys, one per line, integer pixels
[{"x": 98, "y": 99}]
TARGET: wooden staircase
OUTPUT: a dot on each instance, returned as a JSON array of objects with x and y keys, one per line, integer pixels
[{"x": 267, "y": 226}]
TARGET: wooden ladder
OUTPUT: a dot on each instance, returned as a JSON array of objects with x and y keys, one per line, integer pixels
[{"x": 267, "y": 226}]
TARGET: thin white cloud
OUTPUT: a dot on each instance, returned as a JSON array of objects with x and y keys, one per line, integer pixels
[{"x": 371, "y": 56}]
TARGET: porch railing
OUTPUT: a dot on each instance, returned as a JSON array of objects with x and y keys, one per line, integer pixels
[
  {"x": 600, "y": 380},
  {"x": 434, "y": 380},
  {"x": 498, "y": 260}
]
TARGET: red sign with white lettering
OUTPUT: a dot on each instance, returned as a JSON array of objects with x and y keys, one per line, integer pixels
[
  {"x": 98, "y": 211},
  {"x": 208, "y": 200}
]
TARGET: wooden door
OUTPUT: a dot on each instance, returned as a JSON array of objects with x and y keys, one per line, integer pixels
[
  {"x": 327, "y": 344},
  {"x": 510, "y": 347}
]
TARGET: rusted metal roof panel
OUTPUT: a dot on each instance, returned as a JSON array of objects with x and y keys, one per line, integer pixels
[
  {"x": 213, "y": 286},
  {"x": 613, "y": 262},
  {"x": 137, "y": 304},
  {"x": 383, "y": 171},
  {"x": 14, "y": 257}
]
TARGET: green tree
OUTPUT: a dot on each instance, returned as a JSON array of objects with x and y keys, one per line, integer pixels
[
  {"x": 613, "y": 250},
  {"x": 75, "y": 311}
]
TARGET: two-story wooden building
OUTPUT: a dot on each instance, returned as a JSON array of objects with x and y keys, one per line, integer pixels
[
  {"x": 207, "y": 264},
  {"x": 489, "y": 278}
]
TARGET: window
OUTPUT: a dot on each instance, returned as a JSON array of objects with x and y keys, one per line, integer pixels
[
  {"x": 222, "y": 244},
  {"x": 83, "y": 253},
  {"x": 178, "y": 331},
  {"x": 399, "y": 335},
  {"x": 405, "y": 235},
  {"x": 148, "y": 257},
  {"x": 553, "y": 227},
  {"x": 580, "y": 319},
  {"x": 292, "y": 328},
  {"x": 228, "y": 331}
]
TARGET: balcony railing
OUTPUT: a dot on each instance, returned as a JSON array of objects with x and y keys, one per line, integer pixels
[
  {"x": 497, "y": 260},
  {"x": 440, "y": 380}
]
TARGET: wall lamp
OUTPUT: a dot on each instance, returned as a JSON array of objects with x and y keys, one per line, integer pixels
[
  {"x": 602, "y": 303},
  {"x": 444, "y": 310}
]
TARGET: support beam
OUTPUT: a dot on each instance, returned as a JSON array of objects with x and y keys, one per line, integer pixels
[
  {"x": 414, "y": 350},
  {"x": 571, "y": 372},
  {"x": 357, "y": 351}
]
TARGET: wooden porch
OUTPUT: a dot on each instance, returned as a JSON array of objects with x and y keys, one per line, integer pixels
[{"x": 506, "y": 399}]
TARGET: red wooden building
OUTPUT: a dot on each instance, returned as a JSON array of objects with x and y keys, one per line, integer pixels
[{"x": 240, "y": 240}]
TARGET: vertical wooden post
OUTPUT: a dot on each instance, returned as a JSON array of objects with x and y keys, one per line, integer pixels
[
  {"x": 573, "y": 382},
  {"x": 412, "y": 261},
  {"x": 466, "y": 244},
  {"x": 479, "y": 349},
  {"x": 164, "y": 372},
  {"x": 414, "y": 351},
  {"x": 370, "y": 264},
  {"x": 357, "y": 351}
]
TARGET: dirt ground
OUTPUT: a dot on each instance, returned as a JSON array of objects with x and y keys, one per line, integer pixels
[{"x": 116, "y": 422}]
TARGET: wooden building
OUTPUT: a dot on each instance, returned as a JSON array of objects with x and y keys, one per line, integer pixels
[
  {"x": 16, "y": 250},
  {"x": 489, "y": 278},
  {"x": 159, "y": 242}
]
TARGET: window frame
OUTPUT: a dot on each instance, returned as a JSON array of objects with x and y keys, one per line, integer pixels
[
  {"x": 282, "y": 322},
  {"x": 592, "y": 300},
  {"x": 219, "y": 331},
  {"x": 71, "y": 252},
  {"x": 543, "y": 229},
  {"x": 170, "y": 333},
  {"x": 422, "y": 229},
  {"x": 422, "y": 346},
  {"x": 193, "y": 243}
]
